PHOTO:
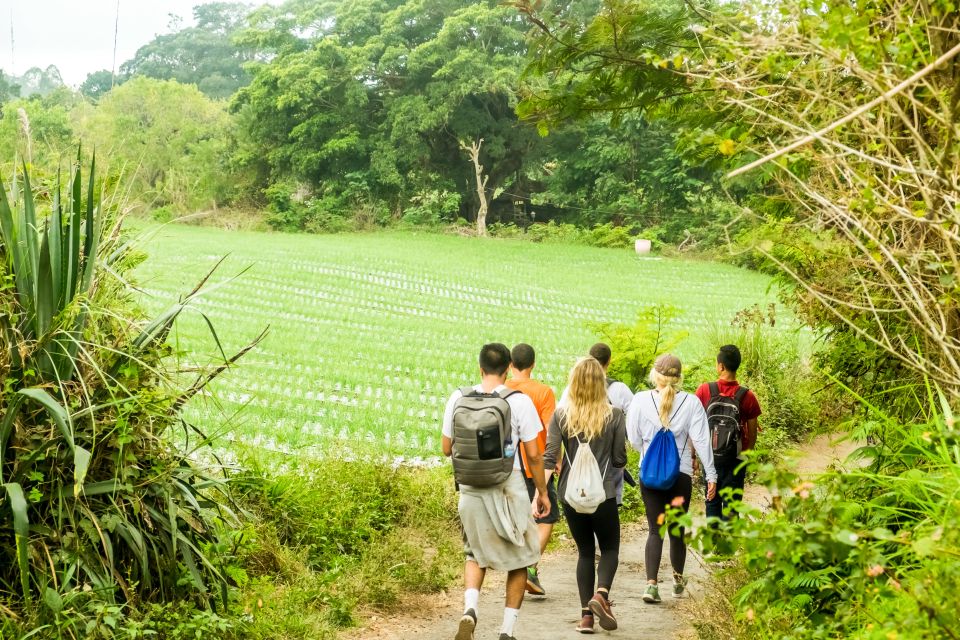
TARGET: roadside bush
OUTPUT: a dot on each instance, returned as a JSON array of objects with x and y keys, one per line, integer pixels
[
  {"x": 98, "y": 508},
  {"x": 636, "y": 346},
  {"x": 331, "y": 536},
  {"x": 608, "y": 235},
  {"x": 869, "y": 551},
  {"x": 431, "y": 208}
]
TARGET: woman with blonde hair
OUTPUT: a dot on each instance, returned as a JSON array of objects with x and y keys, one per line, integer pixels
[
  {"x": 670, "y": 408},
  {"x": 587, "y": 419}
]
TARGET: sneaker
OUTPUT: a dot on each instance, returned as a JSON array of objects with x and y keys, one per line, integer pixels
[
  {"x": 533, "y": 583},
  {"x": 600, "y": 608},
  {"x": 652, "y": 594},
  {"x": 679, "y": 585},
  {"x": 586, "y": 624},
  {"x": 504, "y": 636},
  {"x": 467, "y": 624}
]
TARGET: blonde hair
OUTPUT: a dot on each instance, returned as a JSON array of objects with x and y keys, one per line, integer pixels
[
  {"x": 587, "y": 409},
  {"x": 669, "y": 386}
]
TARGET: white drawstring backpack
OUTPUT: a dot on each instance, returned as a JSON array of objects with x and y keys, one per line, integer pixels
[{"x": 585, "y": 482}]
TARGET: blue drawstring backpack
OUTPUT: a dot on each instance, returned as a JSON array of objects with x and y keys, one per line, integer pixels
[{"x": 660, "y": 467}]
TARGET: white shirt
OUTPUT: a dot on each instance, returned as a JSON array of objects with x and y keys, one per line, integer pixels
[
  {"x": 618, "y": 394},
  {"x": 524, "y": 419},
  {"x": 688, "y": 423}
]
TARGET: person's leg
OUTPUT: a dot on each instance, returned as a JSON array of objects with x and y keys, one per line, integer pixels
[
  {"x": 473, "y": 579},
  {"x": 654, "y": 504},
  {"x": 581, "y": 528},
  {"x": 516, "y": 585},
  {"x": 473, "y": 575},
  {"x": 545, "y": 525},
  {"x": 714, "y": 508},
  {"x": 678, "y": 546},
  {"x": 606, "y": 524},
  {"x": 544, "y": 531},
  {"x": 738, "y": 478}
]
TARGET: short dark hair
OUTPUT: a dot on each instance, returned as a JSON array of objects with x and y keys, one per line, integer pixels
[
  {"x": 523, "y": 356},
  {"x": 729, "y": 357},
  {"x": 494, "y": 358},
  {"x": 601, "y": 351}
]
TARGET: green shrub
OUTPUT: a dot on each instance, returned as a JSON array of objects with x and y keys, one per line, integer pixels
[
  {"x": 865, "y": 552},
  {"x": 431, "y": 208},
  {"x": 636, "y": 346},
  {"x": 304, "y": 559},
  {"x": 608, "y": 235}
]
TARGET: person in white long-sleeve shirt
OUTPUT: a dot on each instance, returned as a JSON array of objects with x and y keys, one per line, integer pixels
[{"x": 667, "y": 406}]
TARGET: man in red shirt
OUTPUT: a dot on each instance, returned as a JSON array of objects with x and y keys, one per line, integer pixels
[{"x": 731, "y": 474}]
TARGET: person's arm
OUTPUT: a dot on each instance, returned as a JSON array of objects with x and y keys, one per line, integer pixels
[
  {"x": 554, "y": 442},
  {"x": 541, "y": 507},
  {"x": 528, "y": 426},
  {"x": 750, "y": 411},
  {"x": 618, "y": 457},
  {"x": 699, "y": 434},
  {"x": 633, "y": 424},
  {"x": 446, "y": 428},
  {"x": 750, "y": 434},
  {"x": 703, "y": 395}
]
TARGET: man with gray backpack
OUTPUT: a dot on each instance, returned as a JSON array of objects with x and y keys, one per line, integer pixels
[
  {"x": 732, "y": 412},
  {"x": 483, "y": 426}
]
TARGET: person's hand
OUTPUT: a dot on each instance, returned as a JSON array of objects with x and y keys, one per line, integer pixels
[
  {"x": 711, "y": 490},
  {"x": 542, "y": 508}
]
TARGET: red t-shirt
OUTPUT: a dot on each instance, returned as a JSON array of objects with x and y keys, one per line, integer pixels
[{"x": 749, "y": 407}]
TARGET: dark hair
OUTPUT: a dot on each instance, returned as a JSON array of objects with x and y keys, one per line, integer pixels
[
  {"x": 601, "y": 351},
  {"x": 729, "y": 357},
  {"x": 494, "y": 358},
  {"x": 523, "y": 356}
]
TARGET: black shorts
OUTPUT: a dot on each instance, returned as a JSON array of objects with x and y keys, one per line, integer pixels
[{"x": 554, "y": 514}]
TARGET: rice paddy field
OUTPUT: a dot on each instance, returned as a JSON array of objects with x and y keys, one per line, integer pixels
[{"x": 370, "y": 333}]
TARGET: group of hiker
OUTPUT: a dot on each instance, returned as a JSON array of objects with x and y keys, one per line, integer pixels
[{"x": 518, "y": 454}]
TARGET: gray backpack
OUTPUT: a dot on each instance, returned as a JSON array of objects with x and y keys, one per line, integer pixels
[{"x": 481, "y": 437}]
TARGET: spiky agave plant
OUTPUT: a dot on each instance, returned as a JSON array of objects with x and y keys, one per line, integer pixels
[{"x": 95, "y": 499}]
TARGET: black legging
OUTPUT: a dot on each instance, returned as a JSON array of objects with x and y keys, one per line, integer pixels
[
  {"x": 605, "y": 524},
  {"x": 655, "y": 502}
]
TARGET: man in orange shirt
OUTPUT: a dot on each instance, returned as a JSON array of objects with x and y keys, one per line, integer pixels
[{"x": 545, "y": 402}]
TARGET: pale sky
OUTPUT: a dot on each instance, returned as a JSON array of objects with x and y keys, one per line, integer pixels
[{"x": 77, "y": 35}]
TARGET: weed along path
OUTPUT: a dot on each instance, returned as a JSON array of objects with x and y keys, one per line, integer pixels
[{"x": 436, "y": 617}]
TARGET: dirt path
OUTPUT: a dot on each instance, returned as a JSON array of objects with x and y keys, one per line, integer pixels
[
  {"x": 555, "y": 616},
  {"x": 435, "y": 617},
  {"x": 808, "y": 460}
]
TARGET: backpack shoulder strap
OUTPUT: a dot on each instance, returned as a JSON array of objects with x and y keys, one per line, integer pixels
[
  {"x": 467, "y": 391},
  {"x": 740, "y": 395},
  {"x": 507, "y": 393},
  {"x": 714, "y": 390}
]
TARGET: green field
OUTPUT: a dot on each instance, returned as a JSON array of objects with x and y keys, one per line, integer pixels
[{"x": 370, "y": 333}]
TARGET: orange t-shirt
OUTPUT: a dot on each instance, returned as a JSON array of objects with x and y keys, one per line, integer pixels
[{"x": 545, "y": 401}]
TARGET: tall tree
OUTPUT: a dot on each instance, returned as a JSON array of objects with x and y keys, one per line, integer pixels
[
  {"x": 383, "y": 91},
  {"x": 98, "y": 83},
  {"x": 204, "y": 54}
]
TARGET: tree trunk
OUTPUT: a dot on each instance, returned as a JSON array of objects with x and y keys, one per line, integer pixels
[{"x": 473, "y": 150}]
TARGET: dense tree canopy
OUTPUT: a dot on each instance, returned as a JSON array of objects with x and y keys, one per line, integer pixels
[{"x": 204, "y": 54}]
